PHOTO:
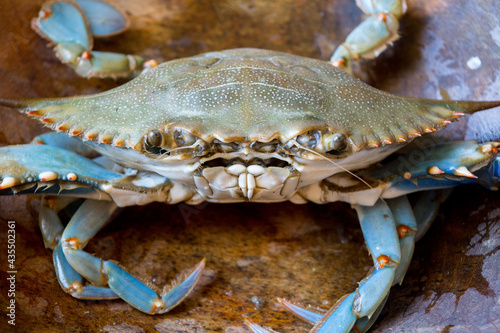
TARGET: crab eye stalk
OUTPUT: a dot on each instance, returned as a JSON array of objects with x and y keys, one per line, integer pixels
[
  {"x": 154, "y": 138},
  {"x": 172, "y": 142}
]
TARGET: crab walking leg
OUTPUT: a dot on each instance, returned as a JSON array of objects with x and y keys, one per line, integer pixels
[
  {"x": 87, "y": 221},
  {"x": 406, "y": 227},
  {"x": 72, "y": 282},
  {"x": 69, "y": 279},
  {"x": 50, "y": 224},
  {"x": 52, "y": 229},
  {"x": 372, "y": 36},
  {"x": 380, "y": 231}
]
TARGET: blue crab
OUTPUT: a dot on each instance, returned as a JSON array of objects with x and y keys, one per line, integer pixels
[{"x": 239, "y": 158}]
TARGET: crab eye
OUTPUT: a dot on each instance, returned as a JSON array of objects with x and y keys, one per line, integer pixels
[
  {"x": 174, "y": 142},
  {"x": 183, "y": 138},
  {"x": 155, "y": 138}
]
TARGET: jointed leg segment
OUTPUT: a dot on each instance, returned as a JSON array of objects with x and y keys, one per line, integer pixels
[{"x": 74, "y": 265}]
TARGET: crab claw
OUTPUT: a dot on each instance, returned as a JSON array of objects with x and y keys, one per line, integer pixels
[
  {"x": 103, "y": 19},
  {"x": 62, "y": 22},
  {"x": 71, "y": 25}
]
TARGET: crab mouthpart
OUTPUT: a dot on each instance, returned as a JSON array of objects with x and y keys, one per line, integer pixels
[{"x": 235, "y": 179}]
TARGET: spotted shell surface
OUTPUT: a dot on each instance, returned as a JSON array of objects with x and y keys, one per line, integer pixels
[{"x": 245, "y": 95}]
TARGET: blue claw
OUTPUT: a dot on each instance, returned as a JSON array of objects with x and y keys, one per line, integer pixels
[
  {"x": 127, "y": 287},
  {"x": 71, "y": 25},
  {"x": 104, "y": 20},
  {"x": 339, "y": 318},
  {"x": 142, "y": 297},
  {"x": 63, "y": 141},
  {"x": 440, "y": 166},
  {"x": 174, "y": 296},
  {"x": 364, "y": 324},
  {"x": 37, "y": 168},
  {"x": 63, "y": 23}
]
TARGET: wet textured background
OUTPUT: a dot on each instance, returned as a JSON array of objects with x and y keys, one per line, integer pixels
[{"x": 256, "y": 252}]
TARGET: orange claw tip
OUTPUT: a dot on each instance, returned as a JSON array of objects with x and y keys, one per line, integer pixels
[
  {"x": 34, "y": 112},
  {"x": 401, "y": 139},
  {"x": 85, "y": 55},
  {"x": 434, "y": 170},
  {"x": 458, "y": 114},
  {"x": 382, "y": 17},
  {"x": 407, "y": 175},
  {"x": 464, "y": 172},
  {"x": 45, "y": 13}
]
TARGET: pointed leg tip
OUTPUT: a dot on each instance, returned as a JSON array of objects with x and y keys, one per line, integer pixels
[{"x": 174, "y": 294}]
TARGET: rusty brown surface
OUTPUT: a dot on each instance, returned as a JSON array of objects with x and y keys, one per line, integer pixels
[{"x": 309, "y": 254}]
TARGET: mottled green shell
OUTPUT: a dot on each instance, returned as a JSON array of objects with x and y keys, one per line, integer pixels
[{"x": 245, "y": 94}]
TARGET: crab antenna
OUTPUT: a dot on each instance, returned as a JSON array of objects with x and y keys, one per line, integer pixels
[{"x": 329, "y": 160}]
